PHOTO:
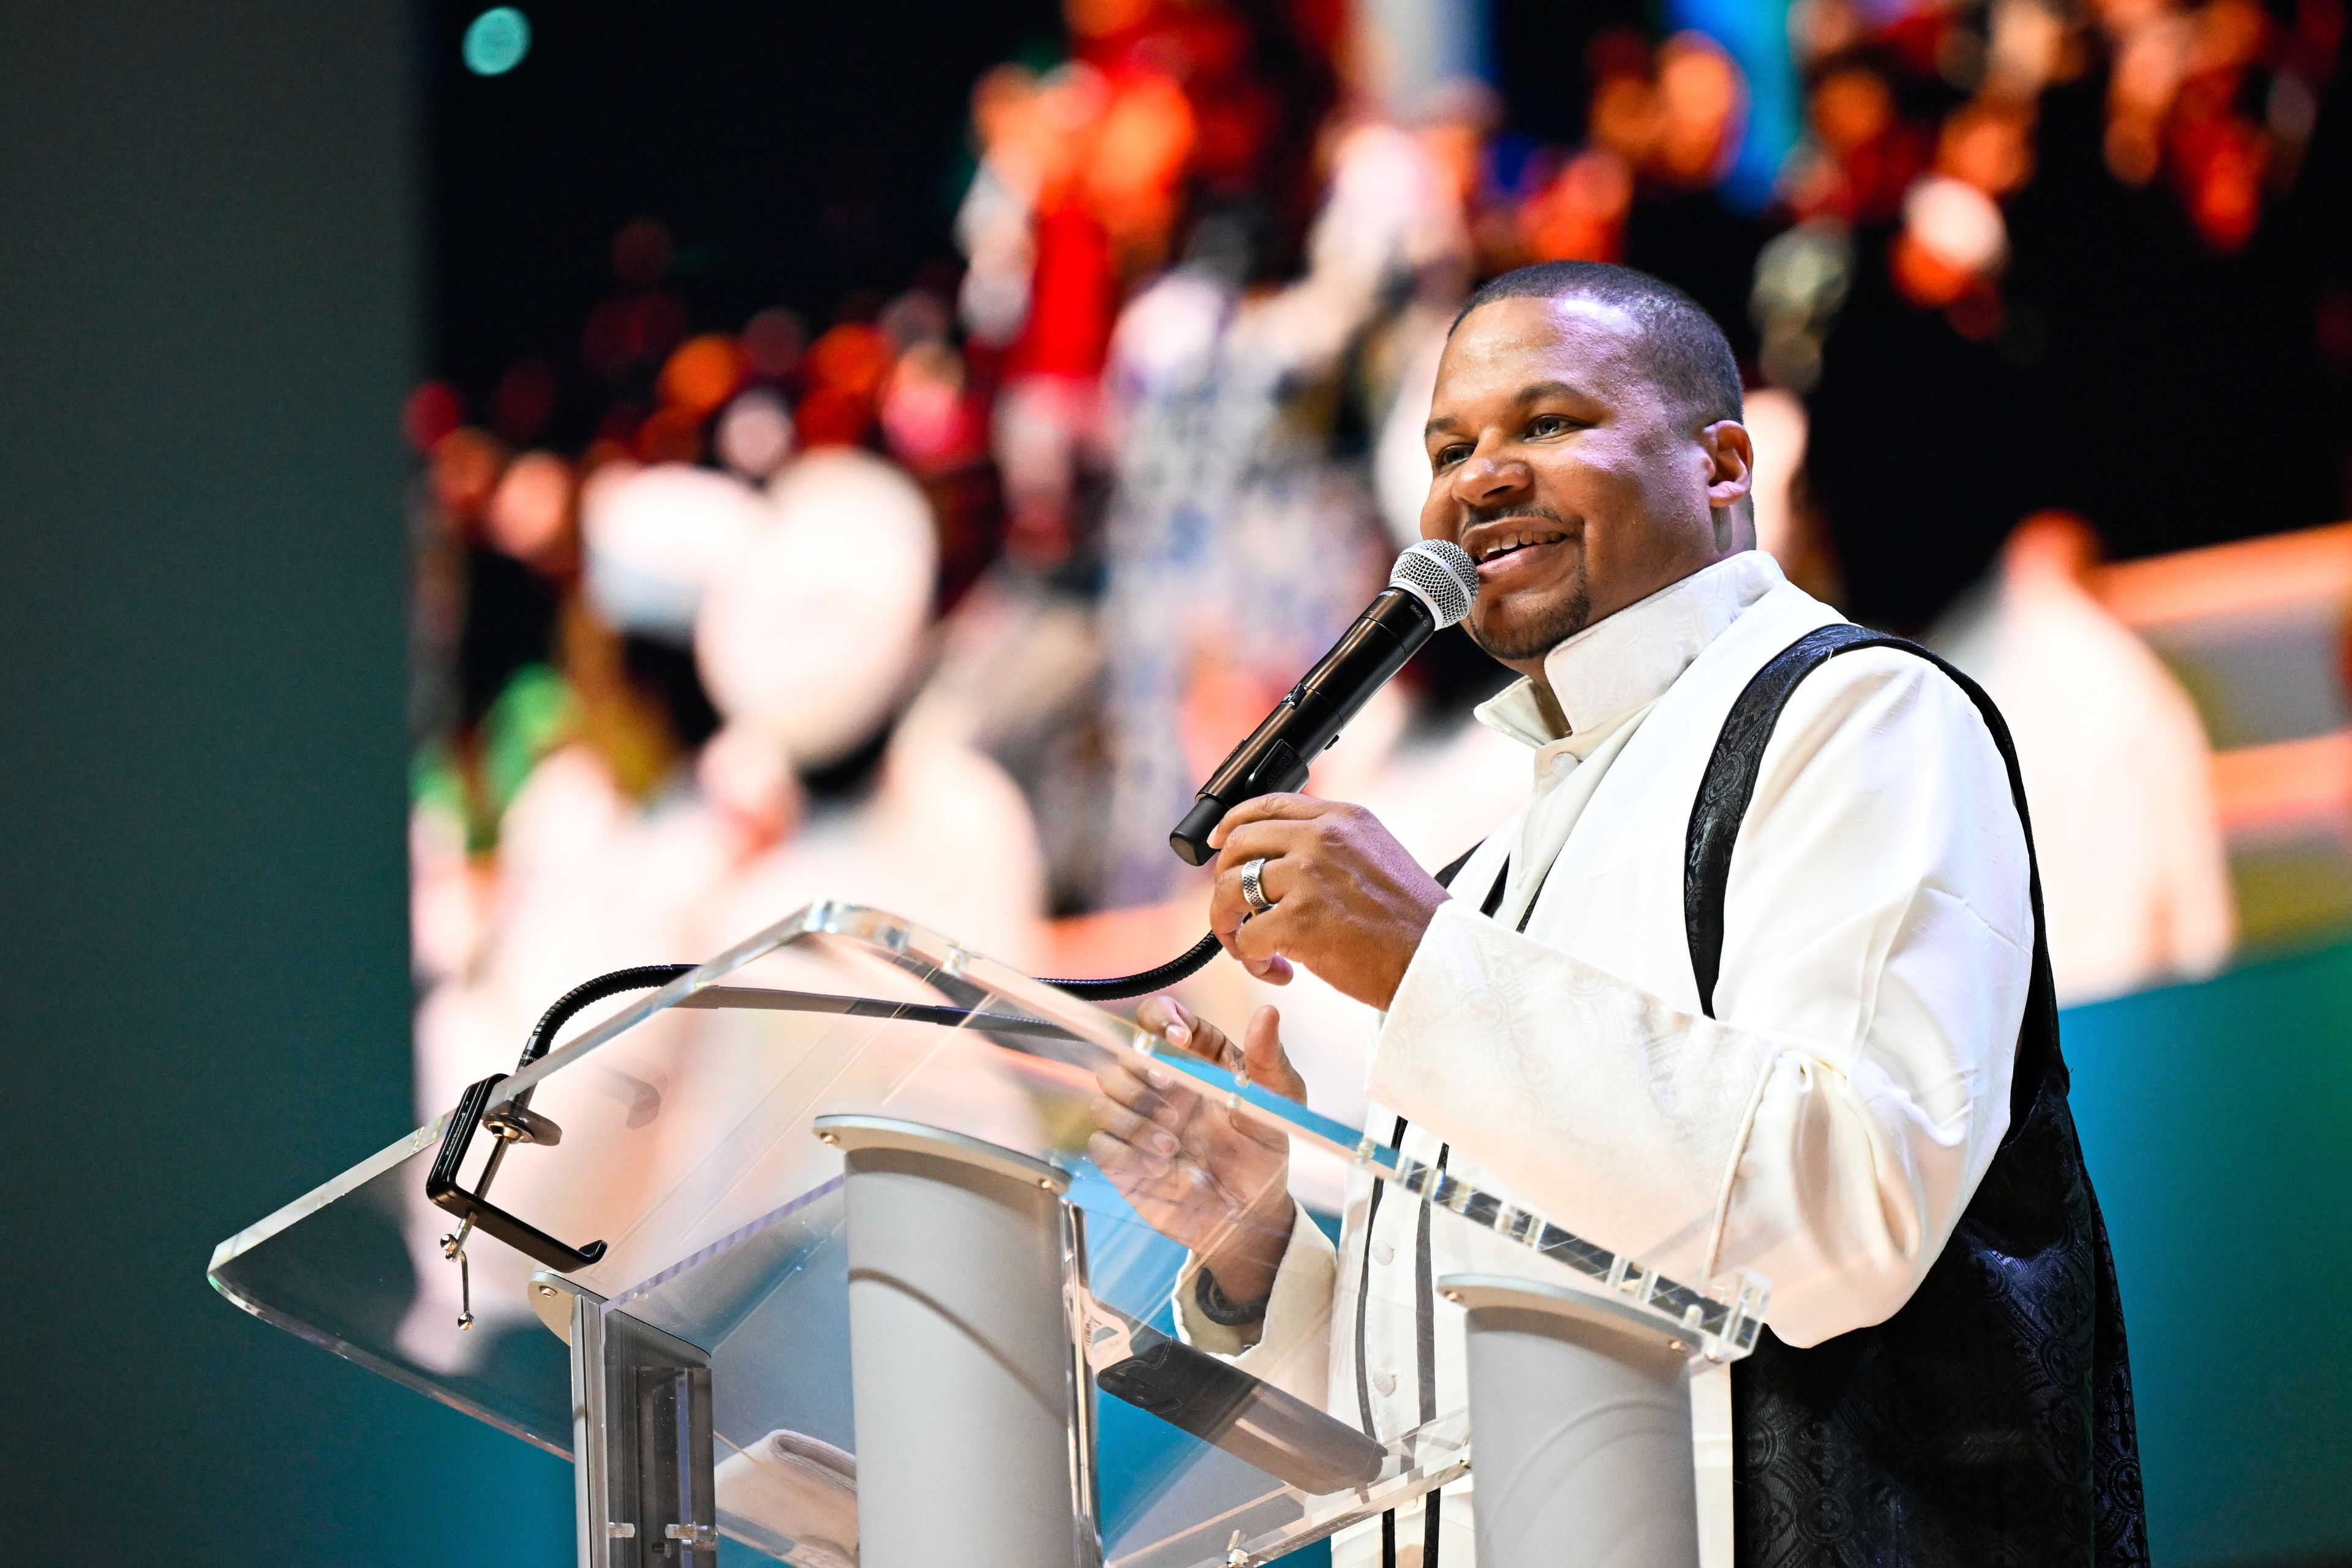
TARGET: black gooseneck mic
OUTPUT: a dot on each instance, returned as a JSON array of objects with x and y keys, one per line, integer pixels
[{"x": 1431, "y": 585}]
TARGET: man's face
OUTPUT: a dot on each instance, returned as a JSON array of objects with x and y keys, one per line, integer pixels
[{"x": 1576, "y": 484}]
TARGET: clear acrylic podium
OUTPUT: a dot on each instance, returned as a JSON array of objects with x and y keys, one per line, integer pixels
[{"x": 805, "y": 1249}]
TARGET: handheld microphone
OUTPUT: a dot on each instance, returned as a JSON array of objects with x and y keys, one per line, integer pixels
[{"x": 1431, "y": 585}]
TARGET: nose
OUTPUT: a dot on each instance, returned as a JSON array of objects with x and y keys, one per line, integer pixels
[{"x": 1485, "y": 480}]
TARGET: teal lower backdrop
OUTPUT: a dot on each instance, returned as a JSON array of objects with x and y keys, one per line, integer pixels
[{"x": 2218, "y": 1122}]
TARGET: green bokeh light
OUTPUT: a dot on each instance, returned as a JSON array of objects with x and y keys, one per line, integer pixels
[{"x": 496, "y": 41}]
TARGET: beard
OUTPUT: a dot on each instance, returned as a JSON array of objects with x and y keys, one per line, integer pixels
[
  {"x": 1542, "y": 625},
  {"x": 1537, "y": 628}
]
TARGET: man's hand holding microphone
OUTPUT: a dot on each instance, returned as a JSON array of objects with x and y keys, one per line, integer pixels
[{"x": 1298, "y": 880}]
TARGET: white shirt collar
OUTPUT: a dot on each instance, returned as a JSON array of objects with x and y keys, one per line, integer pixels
[{"x": 1624, "y": 662}]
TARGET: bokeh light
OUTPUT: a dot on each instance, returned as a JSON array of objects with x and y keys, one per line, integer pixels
[
  {"x": 496, "y": 41},
  {"x": 755, "y": 433}
]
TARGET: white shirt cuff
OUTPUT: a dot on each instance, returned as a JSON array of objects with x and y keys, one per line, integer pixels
[{"x": 1291, "y": 1348}]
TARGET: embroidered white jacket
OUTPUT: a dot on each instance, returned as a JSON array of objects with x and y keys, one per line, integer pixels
[{"x": 1824, "y": 1129}]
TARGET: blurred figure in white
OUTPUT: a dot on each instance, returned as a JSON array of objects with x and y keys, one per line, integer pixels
[
  {"x": 811, "y": 644},
  {"x": 1238, "y": 544},
  {"x": 665, "y": 836},
  {"x": 2135, "y": 887},
  {"x": 607, "y": 859},
  {"x": 813, "y": 631},
  {"x": 1229, "y": 486},
  {"x": 658, "y": 537}
]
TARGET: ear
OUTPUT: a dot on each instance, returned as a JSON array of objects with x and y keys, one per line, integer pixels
[{"x": 1731, "y": 462}]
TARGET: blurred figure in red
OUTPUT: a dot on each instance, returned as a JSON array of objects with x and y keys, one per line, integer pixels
[{"x": 1078, "y": 199}]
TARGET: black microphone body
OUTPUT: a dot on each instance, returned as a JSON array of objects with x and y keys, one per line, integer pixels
[{"x": 1274, "y": 757}]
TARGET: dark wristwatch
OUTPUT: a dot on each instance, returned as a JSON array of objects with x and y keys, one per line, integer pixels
[{"x": 1218, "y": 1309}]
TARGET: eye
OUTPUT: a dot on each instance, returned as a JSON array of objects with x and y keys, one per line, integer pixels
[
  {"x": 1550, "y": 424},
  {"x": 1447, "y": 456}
]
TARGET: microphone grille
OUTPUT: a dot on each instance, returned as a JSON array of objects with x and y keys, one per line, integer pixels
[{"x": 1441, "y": 574}]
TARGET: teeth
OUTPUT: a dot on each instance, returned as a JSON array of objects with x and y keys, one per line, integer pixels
[{"x": 1508, "y": 543}]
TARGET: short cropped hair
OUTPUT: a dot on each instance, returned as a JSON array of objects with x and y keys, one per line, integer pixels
[{"x": 1683, "y": 350}]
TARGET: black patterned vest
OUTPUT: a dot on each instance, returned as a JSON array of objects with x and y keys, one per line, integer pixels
[{"x": 1989, "y": 1421}]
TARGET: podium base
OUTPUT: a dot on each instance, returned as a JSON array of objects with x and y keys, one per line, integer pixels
[
  {"x": 1580, "y": 1416},
  {"x": 975, "y": 1402}
]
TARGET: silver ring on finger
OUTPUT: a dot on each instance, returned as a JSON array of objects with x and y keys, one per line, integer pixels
[{"x": 1254, "y": 887}]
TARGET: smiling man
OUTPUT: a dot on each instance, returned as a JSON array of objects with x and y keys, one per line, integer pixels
[{"x": 1753, "y": 981}]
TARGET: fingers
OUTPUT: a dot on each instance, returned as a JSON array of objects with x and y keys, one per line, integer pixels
[
  {"x": 1168, "y": 1019},
  {"x": 1157, "y": 1014},
  {"x": 1281, "y": 842},
  {"x": 1277, "y": 877},
  {"x": 1119, "y": 1161},
  {"x": 1157, "y": 1187},
  {"x": 1266, "y": 808},
  {"x": 1230, "y": 909},
  {"x": 1169, "y": 1193},
  {"x": 1286, "y": 845},
  {"x": 1123, "y": 1088},
  {"x": 1257, "y": 945},
  {"x": 1227, "y": 910},
  {"x": 1140, "y": 1134},
  {"x": 1262, "y": 1042},
  {"x": 1204, "y": 1040},
  {"x": 1269, "y": 841},
  {"x": 1266, "y": 1064}
]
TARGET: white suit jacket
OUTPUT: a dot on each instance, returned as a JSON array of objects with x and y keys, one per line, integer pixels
[{"x": 1824, "y": 1129}]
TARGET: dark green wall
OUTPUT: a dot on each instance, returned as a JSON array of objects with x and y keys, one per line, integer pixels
[{"x": 208, "y": 288}]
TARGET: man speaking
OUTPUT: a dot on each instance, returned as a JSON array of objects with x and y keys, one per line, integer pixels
[{"x": 1753, "y": 981}]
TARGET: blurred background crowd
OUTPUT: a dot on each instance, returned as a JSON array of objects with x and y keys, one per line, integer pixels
[{"x": 909, "y": 498}]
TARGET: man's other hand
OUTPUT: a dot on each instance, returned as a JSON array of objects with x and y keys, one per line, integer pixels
[
  {"x": 1349, "y": 903},
  {"x": 1195, "y": 1172}
]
